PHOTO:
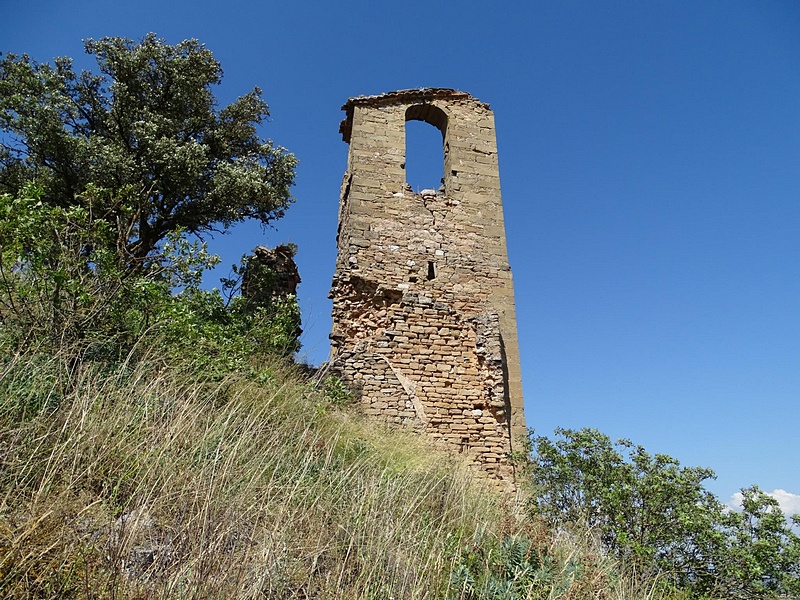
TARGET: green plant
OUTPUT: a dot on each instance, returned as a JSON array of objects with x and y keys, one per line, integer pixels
[
  {"x": 657, "y": 519},
  {"x": 508, "y": 570},
  {"x": 57, "y": 273},
  {"x": 61, "y": 287},
  {"x": 104, "y": 179},
  {"x": 762, "y": 557},
  {"x": 148, "y": 128},
  {"x": 336, "y": 391}
]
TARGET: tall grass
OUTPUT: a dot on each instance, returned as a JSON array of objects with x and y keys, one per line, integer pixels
[{"x": 138, "y": 481}]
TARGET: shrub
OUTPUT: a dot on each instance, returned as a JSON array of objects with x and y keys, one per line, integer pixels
[{"x": 658, "y": 520}]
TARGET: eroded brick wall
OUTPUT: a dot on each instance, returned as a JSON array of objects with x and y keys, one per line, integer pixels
[{"x": 424, "y": 322}]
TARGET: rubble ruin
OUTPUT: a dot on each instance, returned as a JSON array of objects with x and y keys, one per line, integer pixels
[{"x": 424, "y": 325}]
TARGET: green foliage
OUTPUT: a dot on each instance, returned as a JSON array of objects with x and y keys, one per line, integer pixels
[
  {"x": 336, "y": 391},
  {"x": 106, "y": 183},
  {"x": 148, "y": 125},
  {"x": 509, "y": 570},
  {"x": 532, "y": 562},
  {"x": 60, "y": 284},
  {"x": 657, "y": 518},
  {"x": 199, "y": 328},
  {"x": 58, "y": 269},
  {"x": 762, "y": 558}
]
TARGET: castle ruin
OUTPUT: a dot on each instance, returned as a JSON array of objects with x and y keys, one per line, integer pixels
[{"x": 424, "y": 324}]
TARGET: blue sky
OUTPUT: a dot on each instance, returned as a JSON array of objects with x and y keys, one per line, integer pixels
[{"x": 650, "y": 169}]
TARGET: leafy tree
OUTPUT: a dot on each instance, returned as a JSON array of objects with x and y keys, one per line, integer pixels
[
  {"x": 657, "y": 518},
  {"x": 763, "y": 553},
  {"x": 104, "y": 179},
  {"x": 147, "y": 128}
]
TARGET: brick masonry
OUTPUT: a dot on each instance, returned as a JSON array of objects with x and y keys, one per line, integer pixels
[{"x": 424, "y": 325}]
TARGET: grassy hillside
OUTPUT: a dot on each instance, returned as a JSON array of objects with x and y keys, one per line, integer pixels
[{"x": 138, "y": 481}]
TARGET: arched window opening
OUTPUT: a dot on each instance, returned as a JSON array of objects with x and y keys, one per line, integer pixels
[{"x": 425, "y": 132}]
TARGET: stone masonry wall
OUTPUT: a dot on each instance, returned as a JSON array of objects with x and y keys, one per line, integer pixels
[{"x": 423, "y": 302}]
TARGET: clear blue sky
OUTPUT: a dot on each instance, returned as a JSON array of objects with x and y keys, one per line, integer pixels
[{"x": 650, "y": 166}]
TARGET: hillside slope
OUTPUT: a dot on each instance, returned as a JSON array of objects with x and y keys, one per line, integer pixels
[{"x": 135, "y": 480}]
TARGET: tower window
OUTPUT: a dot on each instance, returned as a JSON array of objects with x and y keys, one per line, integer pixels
[{"x": 425, "y": 147}]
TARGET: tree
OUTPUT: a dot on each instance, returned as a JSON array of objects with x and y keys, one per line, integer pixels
[
  {"x": 658, "y": 519},
  {"x": 148, "y": 129},
  {"x": 105, "y": 178},
  {"x": 763, "y": 555}
]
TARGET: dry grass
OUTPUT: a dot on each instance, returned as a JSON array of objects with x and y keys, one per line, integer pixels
[{"x": 136, "y": 482}]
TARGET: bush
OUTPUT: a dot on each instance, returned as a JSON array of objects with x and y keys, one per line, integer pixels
[{"x": 658, "y": 520}]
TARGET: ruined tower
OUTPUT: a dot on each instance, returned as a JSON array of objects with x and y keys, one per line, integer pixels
[{"x": 424, "y": 325}]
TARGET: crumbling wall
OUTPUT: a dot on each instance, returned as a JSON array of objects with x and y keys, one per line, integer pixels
[
  {"x": 423, "y": 305},
  {"x": 270, "y": 273}
]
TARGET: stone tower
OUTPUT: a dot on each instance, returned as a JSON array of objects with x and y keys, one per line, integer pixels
[{"x": 424, "y": 324}]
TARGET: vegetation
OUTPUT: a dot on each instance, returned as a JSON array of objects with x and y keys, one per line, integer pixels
[
  {"x": 135, "y": 480},
  {"x": 105, "y": 179},
  {"x": 147, "y": 130},
  {"x": 656, "y": 517}
]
